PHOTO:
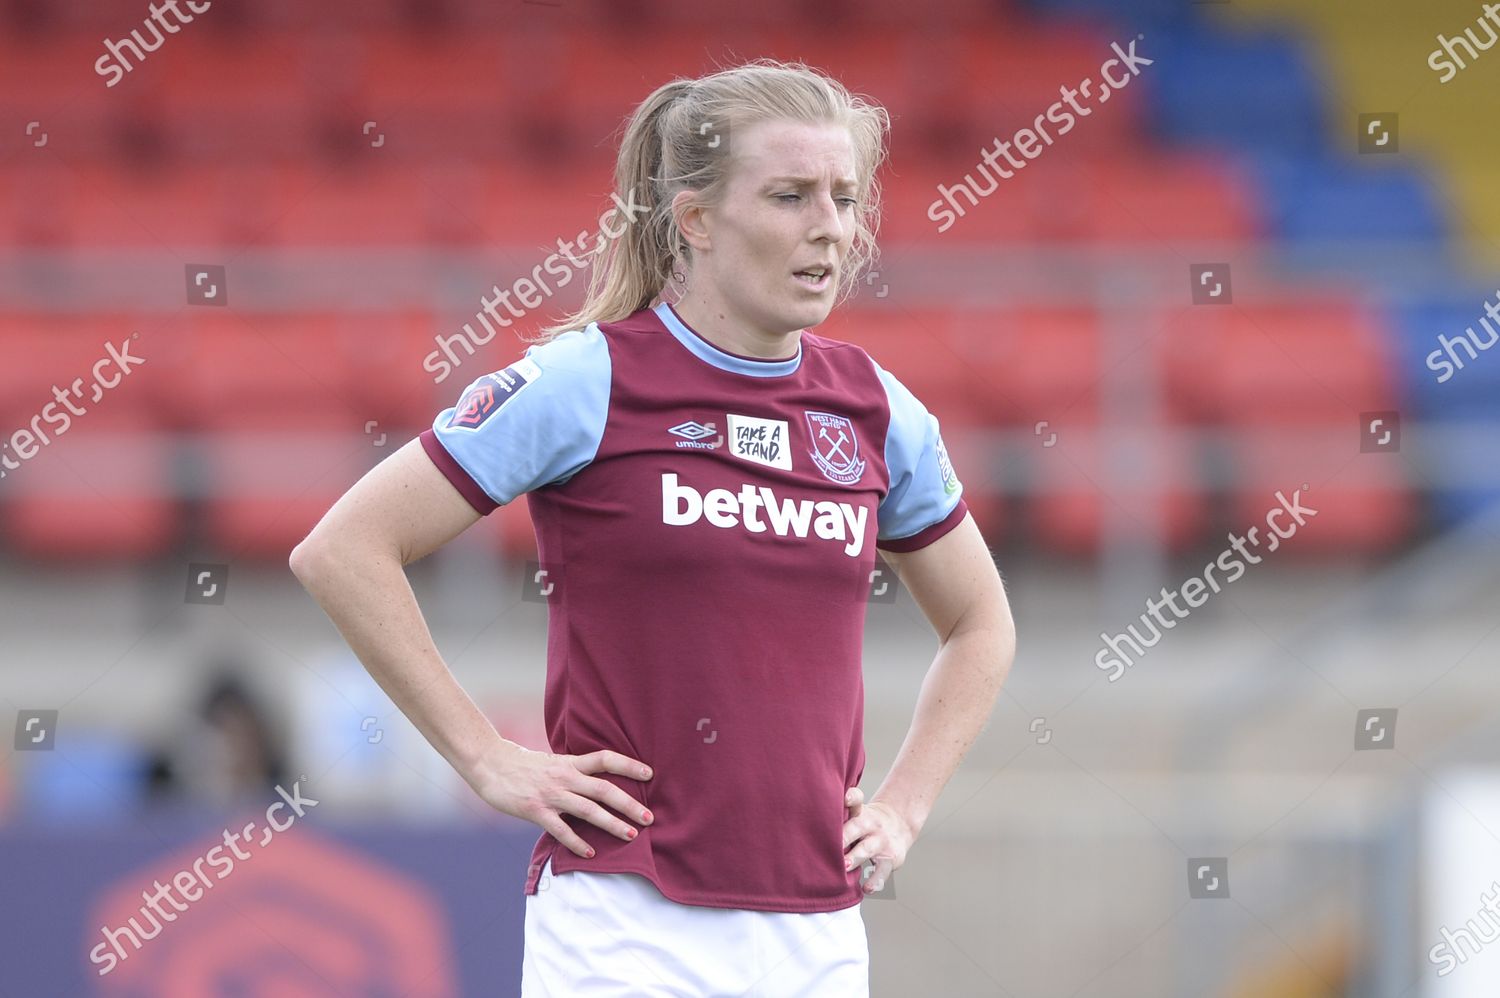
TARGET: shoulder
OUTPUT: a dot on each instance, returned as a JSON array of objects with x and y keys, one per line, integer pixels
[
  {"x": 570, "y": 371},
  {"x": 848, "y": 357},
  {"x": 534, "y": 423},
  {"x": 904, "y": 406},
  {"x": 585, "y": 350},
  {"x": 563, "y": 367}
]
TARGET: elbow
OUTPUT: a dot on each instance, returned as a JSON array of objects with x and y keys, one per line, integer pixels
[
  {"x": 1004, "y": 628},
  {"x": 319, "y": 556},
  {"x": 988, "y": 616},
  {"x": 305, "y": 559}
]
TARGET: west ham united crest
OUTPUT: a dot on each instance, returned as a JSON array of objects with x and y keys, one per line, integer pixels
[{"x": 835, "y": 447}]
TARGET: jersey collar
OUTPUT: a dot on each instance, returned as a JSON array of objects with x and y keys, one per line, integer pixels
[{"x": 754, "y": 366}]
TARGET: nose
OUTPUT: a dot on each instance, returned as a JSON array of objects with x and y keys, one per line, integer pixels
[{"x": 827, "y": 222}]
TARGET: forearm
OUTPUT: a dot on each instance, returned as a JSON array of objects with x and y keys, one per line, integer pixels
[
  {"x": 369, "y": 599},
  {"x": 957, "y": 697}
]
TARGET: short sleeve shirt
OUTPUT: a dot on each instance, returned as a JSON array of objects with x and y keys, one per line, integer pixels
[{"x": 708, "y": 523}]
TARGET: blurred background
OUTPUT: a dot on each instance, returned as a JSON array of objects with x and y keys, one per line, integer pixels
[{"x": 1259, "y": 267}]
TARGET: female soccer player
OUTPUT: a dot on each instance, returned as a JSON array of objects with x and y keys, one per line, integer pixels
[{"x": 708, "y": 482}]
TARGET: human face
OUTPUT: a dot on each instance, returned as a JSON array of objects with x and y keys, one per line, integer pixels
[{"x": 789, "y": 205}]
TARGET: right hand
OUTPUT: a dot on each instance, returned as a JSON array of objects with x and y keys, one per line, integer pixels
[{"x": 541, "y": 787}]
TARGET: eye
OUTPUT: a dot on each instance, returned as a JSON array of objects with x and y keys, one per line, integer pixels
[{"x": 846, "y": 202}]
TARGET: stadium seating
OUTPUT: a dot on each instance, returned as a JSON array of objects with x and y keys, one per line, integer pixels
[
  {"x": 102, "y": 491},
  {"x": 279, "y": 131}
]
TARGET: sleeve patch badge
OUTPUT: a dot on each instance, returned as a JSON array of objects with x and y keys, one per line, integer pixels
[
  {"x": 491, "y": 392},
  {"x": 950, "y": 480}
]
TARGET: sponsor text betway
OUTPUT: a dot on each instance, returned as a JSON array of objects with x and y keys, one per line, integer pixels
[{"x": 682, "y": 505}]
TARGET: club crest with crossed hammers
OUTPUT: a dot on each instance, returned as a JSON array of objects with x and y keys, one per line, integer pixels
[{"x": 835, "y": 447}]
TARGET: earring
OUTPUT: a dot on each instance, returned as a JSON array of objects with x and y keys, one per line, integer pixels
[{"x": 678, "y": 277}]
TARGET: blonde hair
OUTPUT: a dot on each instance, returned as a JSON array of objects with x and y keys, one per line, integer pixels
[{"x": 664, "y": 151}]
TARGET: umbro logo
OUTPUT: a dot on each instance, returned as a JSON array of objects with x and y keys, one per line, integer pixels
[
  {"x": 693, "y": 430},
  {"x": 693, "y": 435}
]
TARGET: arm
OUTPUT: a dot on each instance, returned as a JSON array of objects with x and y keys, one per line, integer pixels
[
  {"x": 353, "y": 563},
  {"x": 955, "y": 583}
]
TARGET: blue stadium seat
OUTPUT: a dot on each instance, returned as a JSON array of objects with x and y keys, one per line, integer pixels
[
  {"x": 1241, "y": 92},
  {"x": 1467, "y": 392},
  {"x": 1137, "y": 12},
  {"x": 1461, "y": 411},
  {"x": 1319, "y": 198}
]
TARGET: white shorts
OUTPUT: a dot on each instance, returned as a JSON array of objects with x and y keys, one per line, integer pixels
[{"x": 614, "y": 934}]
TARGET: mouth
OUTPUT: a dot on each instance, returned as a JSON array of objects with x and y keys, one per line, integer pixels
[{"x": 815, "y": 278}]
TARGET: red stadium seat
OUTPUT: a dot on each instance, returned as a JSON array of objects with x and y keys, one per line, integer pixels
[
  {"x": 1317, "y": 361},
  {"x": 1180, "y": 196},
  {"x": 62, "y": 350},
  {"x": 1363, "y": 501},
  {"x": 101, "y": 490},
  {"x": 919, "y": 347},
  {"x": 1068, "y": 199},
  {"x": 811, "y": 19},
  {"x": 238, "y": 359},
  {"x": 297, "y": 408},
  {"x": 975, "y": 464},
  {"x": 1036, "y": 363},
  {"x": 99, "y": 206},
  {"x": 536, "y": 209},
  {"x": 370, "y": 203},
  {"x": 237, "y": 206},
  {"x": 197, "y": 362},
  {"x": 273, "y": 474},
  {"x": 1004, "y": 80},
  {"x": 385, "y": 355},
  {"x": 364, "y": 365},
  {"x": 30, "y": 367},
  {"x": 916, "y": 212},
  {"x": 1144, "y": 480}
]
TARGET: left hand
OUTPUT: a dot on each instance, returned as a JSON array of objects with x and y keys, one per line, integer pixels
[{"x": 876, "y": 832}]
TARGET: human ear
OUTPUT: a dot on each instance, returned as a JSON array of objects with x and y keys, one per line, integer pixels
[{"x": 691, "y": 220}]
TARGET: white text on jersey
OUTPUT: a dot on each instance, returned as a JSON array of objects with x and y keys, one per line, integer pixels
[{"x": 834, "y": 521}]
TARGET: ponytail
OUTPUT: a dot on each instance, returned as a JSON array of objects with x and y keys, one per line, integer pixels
[{"x": 663, "y": 152}]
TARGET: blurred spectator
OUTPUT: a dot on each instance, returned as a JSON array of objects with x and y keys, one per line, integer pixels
[{"x": 226, "y": 753}]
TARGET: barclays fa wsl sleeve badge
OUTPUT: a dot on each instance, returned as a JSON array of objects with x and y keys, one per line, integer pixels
[
  {"x": 491, "y": 392},
  {"x": 835, "y": 448}
]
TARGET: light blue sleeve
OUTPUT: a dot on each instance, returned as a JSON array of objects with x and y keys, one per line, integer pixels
[
  {"x": 924, "y": 490},
  {"x": 537, "y": 422}
]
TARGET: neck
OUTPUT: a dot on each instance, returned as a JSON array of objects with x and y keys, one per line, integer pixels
[{"x": 716, "y": 324}]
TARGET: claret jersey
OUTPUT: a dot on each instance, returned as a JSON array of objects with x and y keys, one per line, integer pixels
[{"x": 708, "y": 524}]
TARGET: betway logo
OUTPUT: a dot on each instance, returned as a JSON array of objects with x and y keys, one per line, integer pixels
[{"x": 832, "y": 521}]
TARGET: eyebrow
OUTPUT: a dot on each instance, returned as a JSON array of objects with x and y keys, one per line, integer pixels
[{"x": 809, "y": 181}]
